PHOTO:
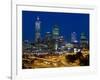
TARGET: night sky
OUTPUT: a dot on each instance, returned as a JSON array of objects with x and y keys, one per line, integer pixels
[{"x": 67, "y": 22}]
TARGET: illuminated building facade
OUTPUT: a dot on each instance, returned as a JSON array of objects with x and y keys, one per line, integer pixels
[
  {"x": 74, "y": 40},
  {"x": 55, "y": 32},
  {"x": 74, "y": 37},
  {"x": 61, "y": 42},
  {"x": 83, "y": 41},
  {"x": 48, "y": 36},
  {"x": 37, "y": 29}
]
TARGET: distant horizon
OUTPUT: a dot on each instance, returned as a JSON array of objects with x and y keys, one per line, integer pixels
[{"x": 67, "y": 22}]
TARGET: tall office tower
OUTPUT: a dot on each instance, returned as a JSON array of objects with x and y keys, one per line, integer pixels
[
  {"x": 55, "y": 32},
  {"x": 83, "y": 41},
  {"x": 37, "y": 29},
  {"x": 55, "y": 37},
  {"x": 74, "y": 40},
  {"x": 48, "y": 36},
  {"x": 61, "y": 41},
  {"x": 74, "y": 37},
  {"x": 47, "y": 40}
]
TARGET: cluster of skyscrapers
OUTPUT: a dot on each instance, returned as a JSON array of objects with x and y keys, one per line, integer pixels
[{"x": 54, "y": 42}]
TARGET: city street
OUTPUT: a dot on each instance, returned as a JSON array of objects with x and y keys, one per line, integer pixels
[{"x": 49, "y": 61}]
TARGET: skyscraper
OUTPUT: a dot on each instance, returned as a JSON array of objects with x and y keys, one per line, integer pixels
[
  {"x": 48, "y": 36},
  {"x": 61, "y": 41},
  {"x": 74, "y": 40},
  {"x": 37, "y": 29},
  {"x": 83, "y": 41},
  {"x": 74, "y": 37},
  {"x": 55, "y": 32},
  {"x": 55, "y": 37}
]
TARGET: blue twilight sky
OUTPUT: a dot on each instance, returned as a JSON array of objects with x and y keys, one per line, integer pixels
[{"x": 67, "y": 22}]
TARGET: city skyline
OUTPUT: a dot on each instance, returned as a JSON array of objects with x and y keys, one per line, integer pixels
[
  {"x": 54, "y": 39},
  {"x": 67, "y": 23}
]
